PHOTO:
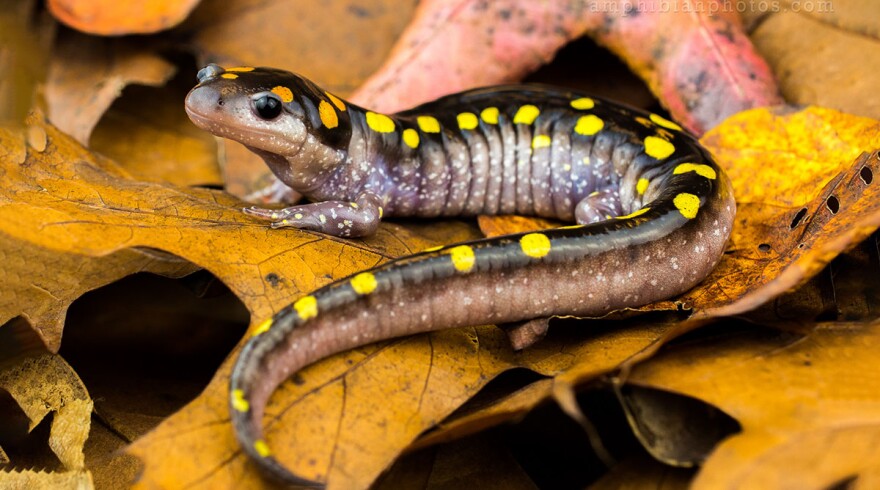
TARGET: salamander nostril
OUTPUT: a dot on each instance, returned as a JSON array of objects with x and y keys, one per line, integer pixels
[{"x": 220, "y": 101}]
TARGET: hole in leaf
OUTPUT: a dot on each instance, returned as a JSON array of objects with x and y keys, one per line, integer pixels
[
  {"x": 764, "y": 247},
  {"x": 867, "y": 175},
  {"x": 798, "y": 218},
  {"x": 833, "y": 204}
]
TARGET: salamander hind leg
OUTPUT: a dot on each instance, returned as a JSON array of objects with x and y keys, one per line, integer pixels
[
  {"x": 598, "y": 206},
  {"x": 338, "y": 218}
]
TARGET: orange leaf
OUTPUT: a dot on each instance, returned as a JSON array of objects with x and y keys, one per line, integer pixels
[{"x": 114, "y": 18}]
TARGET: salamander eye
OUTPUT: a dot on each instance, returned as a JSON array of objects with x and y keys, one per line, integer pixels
[{"x": 268, "y": 106}]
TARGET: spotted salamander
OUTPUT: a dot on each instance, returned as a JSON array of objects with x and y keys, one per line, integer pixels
[{"x": 653, "y": 213}]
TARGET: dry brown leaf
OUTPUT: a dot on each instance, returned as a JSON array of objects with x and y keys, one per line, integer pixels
[
  {"x": 25, "y": 37},
  {"x": 809, "y": 408},
  {"x": 833, "y": 66},
  {"x": 335, "y": 43},
  {"x": 46, "y": 384},
  {"x": 86, "y": 74},
  {"x": 642, "y": 472},
  {"x": 480, "y": 462},
  {"x": 39, "y": 480},
  {"x": 156, "y": 142},
  {"x": 114, "y": 18}
]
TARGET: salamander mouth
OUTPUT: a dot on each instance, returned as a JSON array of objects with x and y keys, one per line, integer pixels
[{"x": 245, "y": 135}]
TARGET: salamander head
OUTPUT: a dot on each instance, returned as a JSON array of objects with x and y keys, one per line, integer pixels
[{"x": 271, "y": 111}]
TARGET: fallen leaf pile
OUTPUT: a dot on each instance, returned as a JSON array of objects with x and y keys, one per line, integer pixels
[{"x": 129, "y": 274}]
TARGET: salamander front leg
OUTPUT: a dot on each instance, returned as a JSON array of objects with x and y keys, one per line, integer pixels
[{"x": 338, "y": 218}]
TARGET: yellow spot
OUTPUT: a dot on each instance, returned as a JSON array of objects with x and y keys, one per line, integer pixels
[
  {"x": 298, "y": 216},
  {"x": 433, "y": 249},
  {"x": 262, "y": 448},
  {"x": 666, "y": 123},
  {"x": 489, "y": 115},
  {"x": 526, "y": 114},
  {"x": 589, "y": 125},
  {"x": 306, "y": 307},
  {"x": 428, "y": 124},
  {"x": 541, "y": 141},
  {"x": 462, "y": 258},
  {"x": 570, "y": 227},
  {"x": 283, "y": 92},
  {"x": 467, "y": 120},
  {"x": 633, "y": 215},
  {"x": 583, "y": 103},
  {"x": 364, "y": 283},
  {"x": 700, "y": 169},
  {"x": 241, "y": 68},
  {"x": 586, "y": 161},
  {"x": 381, "y": 212},
  {"x": 336, "y": 101},
  {"x": 642, "y": 185},
  {"x": 263, "y": 327},
  {"x": 535, "y": 245},
  {"x": 354, "y": 205},
  {"x": 687, "y": 204},
  {"x": 231, "y": 76},
  {"x": 644, "y": 122},
  {"x": 411, "y": 137},
  {"x": 566, "y": 167},
  {"x": 328, "y": 115},
  {"x": 658, "y": 148},
  {"x": 380, "y": 123},
  {"x": 239, "y": 404}
]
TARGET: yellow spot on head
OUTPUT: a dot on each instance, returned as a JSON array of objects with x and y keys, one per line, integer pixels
[
  {"x": 633, "y": 215},
  {"x": 306, "y": 307},
  {"x": 230, "y": 76},
  {"x": 467, "y": 120},
  {"x": 699, "y": 168},
  {"x": 283, "y": 92},
  {"x": 462, "y": 258},
  {"x": 336, "y": 101},
  {"x": 354, "y": 205},
  {"x": 328, "y": 115},
  {"x": 364, "y": 283},
  {"x": 658, "y": 148},
  {"x": 411, "y": 138},
  {"x": 535, "y": 245},
  {"x": 380, "y": 123},
  {"x": 583, "y": 103},
  {"x": 666, "y": 123},
  {"x": 541, "y": 141},
  {"x": 642, "y": 185},
  {"x": 526, "y": 114},
  {"x": 589, "y": 125},
  {"x": 687, "y": 204},
  {"x": 263, "y": 327},
  {"x": 239, "y": 404},
  {"x": 262, "y": 448},
  {"x": 381, "y": 212},
  {"x": 298, "y": 216},
  {"x": 241, "y": 68},
  {"x": 489, "y": 115},
  {"x": 428, "y": 124}
]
